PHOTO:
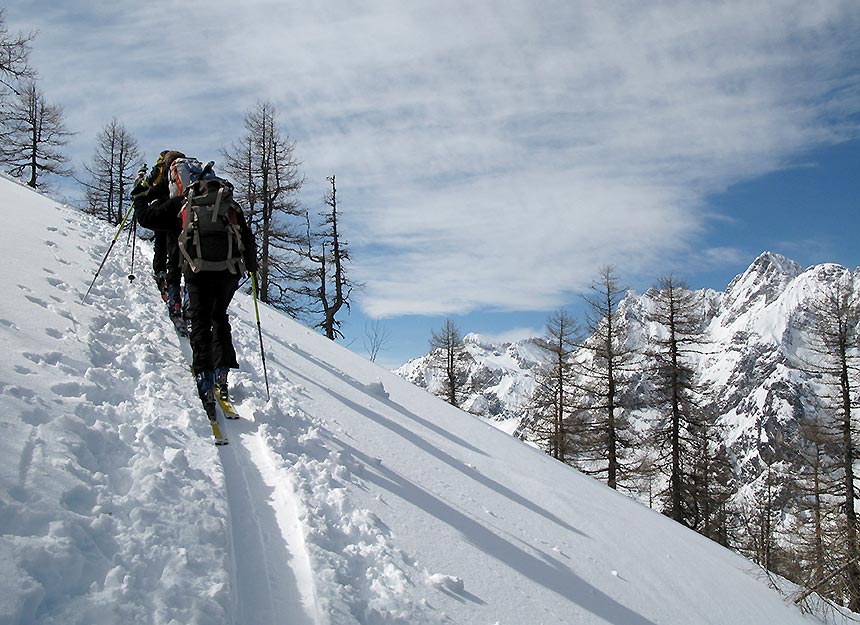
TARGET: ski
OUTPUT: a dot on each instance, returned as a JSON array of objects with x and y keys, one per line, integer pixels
[
  {"x": 212, "y": 417},
  {"x": 226, "y": 406},
  {"x": 220, "y": 439}
]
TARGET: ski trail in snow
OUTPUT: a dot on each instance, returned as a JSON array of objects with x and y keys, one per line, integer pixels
[
  {"x": 272, "y": 575},
  {"x": 273, "y": 578}
]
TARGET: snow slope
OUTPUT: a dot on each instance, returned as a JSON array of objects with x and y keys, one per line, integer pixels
[{"x": 351, "y": 496}]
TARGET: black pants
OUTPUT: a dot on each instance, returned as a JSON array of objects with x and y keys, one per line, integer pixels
[
  {"x": 209, "y": 294},
  {"x": 166, "y": 257}
]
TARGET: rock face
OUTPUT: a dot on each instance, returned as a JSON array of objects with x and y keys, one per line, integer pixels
[{"x": 753, "y": 342}]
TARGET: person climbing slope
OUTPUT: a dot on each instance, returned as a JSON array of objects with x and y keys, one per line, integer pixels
[
  {"x": 166, "y": 260},
  {"x": 217, "y": 247}
]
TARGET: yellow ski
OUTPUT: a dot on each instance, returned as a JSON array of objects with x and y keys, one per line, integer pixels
[
  {"x": 226, "y": 406},
  {"x": 216, "y": 432},
  {"x": 220, "y": 439}
]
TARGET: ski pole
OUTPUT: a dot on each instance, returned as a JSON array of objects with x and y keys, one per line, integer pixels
[
  {"x": 141, "y": 172},
  {"x": 259, "y": 331},
  {"x": 112, "y": 243},
  {"x": 133, "y": 246}
]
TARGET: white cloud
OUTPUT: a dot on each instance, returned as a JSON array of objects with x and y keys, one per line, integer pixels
[{"x": 488, "y": 156}]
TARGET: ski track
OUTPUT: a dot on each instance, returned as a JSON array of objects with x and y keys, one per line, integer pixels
[
  {"x": 272, "y": 574},
  {"x": 270, "y": 569}
]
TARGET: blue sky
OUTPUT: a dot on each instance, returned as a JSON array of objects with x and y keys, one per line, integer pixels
[{"x": 491, "y": 157}]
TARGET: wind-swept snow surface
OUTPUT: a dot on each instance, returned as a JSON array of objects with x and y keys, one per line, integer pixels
[{"x": 350, "y": 497}]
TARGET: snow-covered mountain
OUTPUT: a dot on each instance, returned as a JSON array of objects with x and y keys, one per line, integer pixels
[
  {"x": 499, "y": 376},
  {"x": 350, "y": 497},
  {"x": 750, "y": 362}
]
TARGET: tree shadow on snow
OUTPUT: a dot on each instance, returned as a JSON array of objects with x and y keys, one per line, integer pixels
[{"x": 550, "y": 573}]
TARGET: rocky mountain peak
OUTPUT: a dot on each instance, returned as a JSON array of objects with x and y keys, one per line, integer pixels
[{"x": 762, "y": 283}]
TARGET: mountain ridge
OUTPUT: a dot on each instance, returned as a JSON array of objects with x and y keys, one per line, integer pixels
[{"x": 752, "y": 332}]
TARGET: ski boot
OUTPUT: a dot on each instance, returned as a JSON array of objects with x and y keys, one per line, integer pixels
[
  {"x": 186, "y": 312},
  {"x": 221, "y": 383},
  {"x": 174, "y": 309},
  {"x": 161, "y": 282},
  {"x": 174, "y": 301},
  {"x": 206, "y": 391}
]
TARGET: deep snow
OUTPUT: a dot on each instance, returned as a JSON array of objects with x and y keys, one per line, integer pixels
[{"x": 350, "y": 497}]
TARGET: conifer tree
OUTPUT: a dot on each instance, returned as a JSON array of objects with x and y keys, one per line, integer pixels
[
  {"x": 680, "y": 434},
  {"x": 333, "y": 286},
  {"x": 14, "y": 55},
  {"x": 712, "y": 484},
  {"x": 815, "y": 490},
  {"x": 767, "y": 515}
]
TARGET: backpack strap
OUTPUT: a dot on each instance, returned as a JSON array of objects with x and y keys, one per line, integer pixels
[
  {"x": 217, "y": 210},
  {"x": 187, "y": 215}
]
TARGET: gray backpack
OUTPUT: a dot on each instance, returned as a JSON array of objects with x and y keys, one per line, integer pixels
[{"x": 211, "y": 238}]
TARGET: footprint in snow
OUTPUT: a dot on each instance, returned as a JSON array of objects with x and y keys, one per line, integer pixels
[
  {"x": 66, "y": 315},
  {"x": 36, "y": 417},
  {"x": 70, "y": 389},
  {"x": 38, "y": 301},
  {"x": 79, "y": 499},
  {"x": 54, "y": 333},
  {"x": 18, "y": 392},
  {"x": 58, "y": 284},
  {"x": 50, "y": 358}
]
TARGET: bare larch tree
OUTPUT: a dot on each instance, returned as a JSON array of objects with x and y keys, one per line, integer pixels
[
  {"x": 33, "y": 133},
  {"x": 603, "y": 376},
  {"x": 553, "y": 414},
  {"x": 111, "y": 172},
  {"x": 677, "y": 313},
  {"x": 448, "y": 351},
  {"x": 834, "y": 340},
  {"x": 265, "y": 172}
]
